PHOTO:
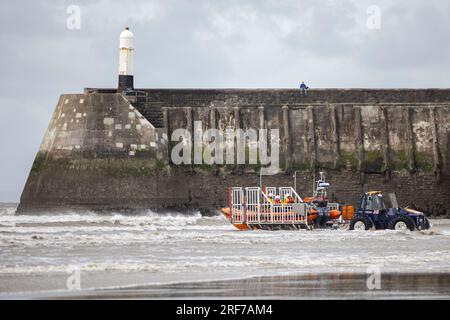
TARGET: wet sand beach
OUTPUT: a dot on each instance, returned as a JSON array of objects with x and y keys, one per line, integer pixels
[{"x": 311, "y": 286}]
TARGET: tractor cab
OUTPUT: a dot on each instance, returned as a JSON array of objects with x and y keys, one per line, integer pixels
[
  {"x": 374, "y": 202},
  {"x": 371, "y": 202}
]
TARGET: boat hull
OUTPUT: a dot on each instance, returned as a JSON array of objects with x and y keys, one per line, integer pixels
[{"x": 273, "y": 225}]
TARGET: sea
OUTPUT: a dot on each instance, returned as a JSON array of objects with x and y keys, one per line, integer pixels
[{"x": 177, "y": 255}]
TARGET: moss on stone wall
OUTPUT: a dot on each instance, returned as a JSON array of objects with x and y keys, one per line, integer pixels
[
  {"x": 39, "y": 163},
  {"x": 134, "y": 167},
  {"x": 116, "y": 167},
  {"x": 161, "y": 165},
  {"x": 424, "y": 161},
  {"x": 374, "y": 161},
  {"x": 301, "y": 166},
  {"x": 146, "y": 165},
  {"x": 399, "y": 161},
  {"x": 347, "y": 160}
]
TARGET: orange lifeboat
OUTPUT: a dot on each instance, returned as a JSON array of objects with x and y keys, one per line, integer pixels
[
  {"x": 334, "y": 214},
  {"x": 226, "y": 212}
]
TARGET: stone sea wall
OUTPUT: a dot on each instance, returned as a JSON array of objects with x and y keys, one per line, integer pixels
[{"x": 101, "y": 153}]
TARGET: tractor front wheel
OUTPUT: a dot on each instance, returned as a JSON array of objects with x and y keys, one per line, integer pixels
[
  {"x": 360, "y": 223},
  {"x": 401, "y": 223}
]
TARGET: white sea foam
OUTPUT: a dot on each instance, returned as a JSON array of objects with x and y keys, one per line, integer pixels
[
  {"x": 283, "y": 263},
  {"x": 9, "y": 218}
]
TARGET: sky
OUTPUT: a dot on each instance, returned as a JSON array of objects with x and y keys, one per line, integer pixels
[{"x": 48, "y": 50}]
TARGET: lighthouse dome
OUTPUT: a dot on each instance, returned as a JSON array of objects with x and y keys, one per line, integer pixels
[{"x": 127, "y": 39}]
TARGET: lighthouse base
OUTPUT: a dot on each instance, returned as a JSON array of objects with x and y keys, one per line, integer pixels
[{"x": 126, "y": 83}]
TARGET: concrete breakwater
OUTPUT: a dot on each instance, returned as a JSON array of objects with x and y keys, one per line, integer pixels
[{"x": 108, "y": 151}]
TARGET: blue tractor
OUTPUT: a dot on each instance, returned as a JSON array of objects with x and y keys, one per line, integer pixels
[{"x": 379, "y": 212}]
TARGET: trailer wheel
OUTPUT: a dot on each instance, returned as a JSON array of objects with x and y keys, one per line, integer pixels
[
  {"x": 360, "y": 223},
  {"x": 401, "y": 223}
]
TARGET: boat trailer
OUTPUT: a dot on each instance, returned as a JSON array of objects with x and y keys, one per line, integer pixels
[{"x": 251, "y": 208}]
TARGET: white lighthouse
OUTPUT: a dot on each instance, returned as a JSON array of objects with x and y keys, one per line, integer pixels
[{"x": 126, "y": 61}]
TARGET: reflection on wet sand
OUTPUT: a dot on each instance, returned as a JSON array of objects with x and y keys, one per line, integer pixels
[{"x": 310, "y": 286}]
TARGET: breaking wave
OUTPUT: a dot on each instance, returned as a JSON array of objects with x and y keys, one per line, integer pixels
[{"x": 7, "y": 217}]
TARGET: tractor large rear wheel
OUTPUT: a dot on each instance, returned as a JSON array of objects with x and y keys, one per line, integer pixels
[
  {"x": 360, "y": 223},
  {"x": 401, "y": 223}
]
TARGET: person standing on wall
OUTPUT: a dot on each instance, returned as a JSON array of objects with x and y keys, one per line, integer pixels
[{"x": 304, "y": 89}]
